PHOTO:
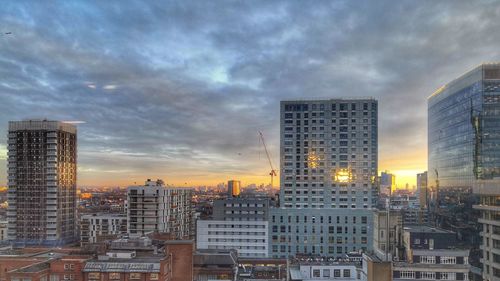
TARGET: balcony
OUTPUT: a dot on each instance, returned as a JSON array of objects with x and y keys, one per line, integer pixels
[
  {"x": 51, "y": 153},
  {"x": 52, "y": 135},
  {"x": 51, "y": 208},
  {"x": 11, "y": 153},
  {"x": 52, "y": 141}
]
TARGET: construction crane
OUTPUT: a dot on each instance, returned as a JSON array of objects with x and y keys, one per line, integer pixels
[{"x": 273, "y": 171}]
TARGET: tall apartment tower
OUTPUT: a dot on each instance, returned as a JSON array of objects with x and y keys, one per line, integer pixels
[
  {"x": 387, "y": 182},
  {"x": 42, "y": 182},
  {"x": 155, "y": 207},
  {"x": 233, "y": 188},
  {"x": 464, "y": 151},
  {"x": 328, "y": 168},
  {"x": 422, "y": 190}
]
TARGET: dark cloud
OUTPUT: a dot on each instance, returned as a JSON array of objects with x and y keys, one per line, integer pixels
[{"x": 182, "y": 88}]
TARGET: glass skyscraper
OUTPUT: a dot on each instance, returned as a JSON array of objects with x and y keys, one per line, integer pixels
[{"x": 464, "y": 150}]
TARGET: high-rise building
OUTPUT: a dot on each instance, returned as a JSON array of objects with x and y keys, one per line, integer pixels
[
  {"x": 387, "y": 182},
  {"x": 422, "y": 190},
  {"x": 464, "y": 151},
  {"x": 327, "y": 174},
  {"x": 154, "y": 207},
  {"x": 233, "y": 188},
  {"x": 42, "y": 182}
]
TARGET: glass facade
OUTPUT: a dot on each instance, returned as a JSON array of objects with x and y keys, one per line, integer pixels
[
  {"x": 464, "y": 131},
  {"x": 464, "y": 150}
]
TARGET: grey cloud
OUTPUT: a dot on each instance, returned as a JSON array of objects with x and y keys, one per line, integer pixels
[{"x": 155, "y": 98}]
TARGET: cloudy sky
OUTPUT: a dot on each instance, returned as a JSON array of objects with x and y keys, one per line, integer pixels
[{"x": 179, "y": 90}]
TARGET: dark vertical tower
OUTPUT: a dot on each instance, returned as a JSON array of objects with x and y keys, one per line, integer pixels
[{"x": 42, "y": 182}]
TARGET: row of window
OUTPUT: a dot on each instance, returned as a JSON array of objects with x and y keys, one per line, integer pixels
[
  {"x": 233, "y": 240},
  {"x": 314, "y": 199},
  {"x": 321, "y": 206},
  {"x": 314, "y": 249},
  {"x": 255, "y": 226},
  {"x": 312, "y": 229},
  {"x": 408, "y": 274},
  {"x": 331, "y": 239},
  {"x": 321, "y": 219},
  {"x": 336, "y": 273},
  {"x": 236, "y": 233},
  {"x": 243, "y": 205},
  {"x": 442, "y": 260}
]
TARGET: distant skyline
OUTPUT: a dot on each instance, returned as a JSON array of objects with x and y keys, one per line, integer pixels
[{"x": 179, "y": 90}]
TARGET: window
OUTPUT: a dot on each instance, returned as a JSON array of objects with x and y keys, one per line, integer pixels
[
  {"x": 92, "y": 276},
  {"x": 347, "y": 273},
  {"x": 448, "y": 260},
  {"x": 316, "y": 273},
  {"x": 428, "y": 259},
  {"x": 448, "y": 276},
  {"x": 56, "y": 277},
  {"x": 407, "y": 274},
  {"x": 326, "y": 272},
  {"x": 427, "y": 275},
  {"x": 135, "y": 275},
  {"x": 114, "y": 275},
  {"x": 69, "y": 266},
  {"x": 153, "y": 276},
  {"x": 336, "y": 273}
]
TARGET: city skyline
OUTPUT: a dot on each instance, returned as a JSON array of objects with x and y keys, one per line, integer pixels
[{"x": 180, "y": 92}]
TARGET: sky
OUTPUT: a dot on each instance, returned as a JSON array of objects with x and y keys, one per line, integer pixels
[{"x": 179, "y": 89}]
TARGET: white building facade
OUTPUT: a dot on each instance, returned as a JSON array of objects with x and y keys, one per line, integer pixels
[
  {"x": 96, "y": 226},
  {"x": 249, "y": 238}
]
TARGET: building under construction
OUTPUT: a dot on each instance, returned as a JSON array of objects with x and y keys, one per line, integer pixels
[{"x": 42, "y": 182}]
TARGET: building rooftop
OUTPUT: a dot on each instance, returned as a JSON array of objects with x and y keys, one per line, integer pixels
[
  {"x": 32, "y": 268},
  {"x": 425, "y": 229},
  {"x": 213, "y": 257},
  {"x": 129, "y": 265},
  {"x": 320, "y": 99},
  {"x": 468, "y": 77}
]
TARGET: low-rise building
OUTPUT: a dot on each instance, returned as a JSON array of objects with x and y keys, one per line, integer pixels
[
  {"x": 215, "y": 265},
  {"x": 375, "y": 268},
  {"x": 151, "y": 268},
  {"x": 248, "y": 238},
  {"x": 95, "y": 228},
  {"x": 441, "y": 264},
  {"x": 315, "y": 270},
  {"x": 238, "y": 223},
  {"x": 431, "y": 254}
]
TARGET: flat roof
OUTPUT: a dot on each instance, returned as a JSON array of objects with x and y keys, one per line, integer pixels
[
  {"x": 425, "y": 229},
  {"x": 32, "y": 268},
  {"x": 457, "y": 83}
]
